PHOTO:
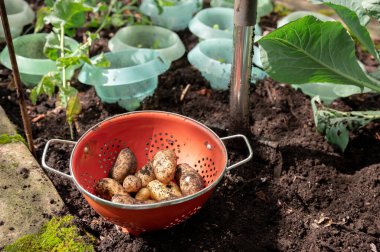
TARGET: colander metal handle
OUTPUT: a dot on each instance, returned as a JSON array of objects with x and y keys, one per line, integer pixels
[
  {"x": 249, "y": 150},
  {"x": 44, "y": 165}
]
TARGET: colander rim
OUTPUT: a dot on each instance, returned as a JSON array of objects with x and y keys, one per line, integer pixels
[{"x": 151, "y": 205}]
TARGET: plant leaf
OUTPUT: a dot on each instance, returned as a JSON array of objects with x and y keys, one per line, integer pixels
[
  {"x": 306, "y": 51},
  {"x": 69, "y": 12},
  {"x": 65, "y": 94},
  {"x": 335, "y": 125},
  {"x": 100, "y": 61},
  {"x": 46, "y": 86},
  {"x": 67, "y": 62},
  {"x": 354, "y": 5},
  {"x": 117, "y": 20},
  {"x": 52, "y": 49},
  {"x": 41, "y": 14},
  {"x": 350, "y": 18},
  {"x": 49, "y": 3},
  {"x": 159, "y": 7},
  {"x": 372, "y": 7},
  {"x": 73, "y": 108}
]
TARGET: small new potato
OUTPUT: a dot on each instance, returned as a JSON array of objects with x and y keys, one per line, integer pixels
[
  {"x": 159, "y": 191},
  {"x": 189, "y": 180},
  {"x": 124, "y": 199},
  {"x": 125, "y": 165},
  {"x": 143, "y": 194},
  {"x": 174, "y": 189},
  {"x": 146, "y": 174},
  {"x": 164, "y": 165},
  {"x": 108, "y": 187},
  {"x": 132, "y": 183}
]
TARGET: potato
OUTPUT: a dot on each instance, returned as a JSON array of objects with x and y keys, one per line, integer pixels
[
  {"x": 174, "y": 189},
  {"x": 143, "y": 194},
  {"x": 159, "y": 191},
  {"x": 108, "y": 187},
  {"x": 123, "y": 199},
  {"x": 164, "y": 165},
  {"x": 146, "y": 174},
  {"x": 188, "y": 179},
  {"x": 132, "y": 183},
  {"x": 125, "y": 165}
]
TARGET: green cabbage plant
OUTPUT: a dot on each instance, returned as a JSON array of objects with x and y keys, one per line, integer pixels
[{"x": 309, "y": 51}]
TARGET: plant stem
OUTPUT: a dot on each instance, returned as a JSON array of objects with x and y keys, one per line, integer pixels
[
  {"x": 62, "y": 45},
  {"x": 65, "y": 84},
  {"x": 107, "y": 15},
  {"x": 71, "y": 131},
  {"x": 16, "y": 77},
  {"x": 371, "y": 115}
]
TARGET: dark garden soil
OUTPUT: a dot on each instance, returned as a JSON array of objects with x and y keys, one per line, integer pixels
[{"x": 297, "y": 194}]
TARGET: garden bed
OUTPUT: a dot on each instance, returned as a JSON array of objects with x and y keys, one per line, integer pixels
[{"x": 297, "y": 194}]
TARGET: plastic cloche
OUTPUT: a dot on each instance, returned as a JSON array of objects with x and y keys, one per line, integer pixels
[
  {"x": 300, "y": 14},
  {"x": 213, "y": 58},
  {"x": 19, "y": 14},
  {"x": 264, "y": 7},
  {"x": 31, "y": 60},
  {"x": 215, "y": 23},
  {"x": 164, "y": 41},
  {"x": 175, "y": 17},
  {"x": 131, "y": 77}
]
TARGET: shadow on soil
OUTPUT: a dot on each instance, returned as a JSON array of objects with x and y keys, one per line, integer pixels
[{"x": 240, "y": 216}]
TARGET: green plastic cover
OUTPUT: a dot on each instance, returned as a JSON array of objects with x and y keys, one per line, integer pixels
[
  {"x": 299, "y": 14},
  {"x": 213, "y": 58},
  {"x": 126, "y": 97},
  {"x": 175, "y": 17},
  {"x": 215, "y": 22},
  {"x": 264, "y": 7},
  {"x": 164, "y": 41},
  {"x": 131, "y": 77},
  {"x": 127, "y": 66},
  {"x": 31, "y": 61},
  {"x": 19, "y": 14}
]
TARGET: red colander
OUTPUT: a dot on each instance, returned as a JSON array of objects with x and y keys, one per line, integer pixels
[{"x": 146, "y": 132}]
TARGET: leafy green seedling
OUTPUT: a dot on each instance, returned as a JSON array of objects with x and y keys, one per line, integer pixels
[
  {"x": 120, "y": 14},
  {"x": 216, "y": 27},
  {"x": 281, "y": 9},
  {"x": 164, "y": 3},
  {"x": 335, "y": 125},
  {"x": 221, "y": 60},
  {"x": 65, "y": 16},
  {"x": 156, "y": 44}
]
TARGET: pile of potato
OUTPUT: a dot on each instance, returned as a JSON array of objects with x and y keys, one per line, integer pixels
[{"x": 159, "y": 180}]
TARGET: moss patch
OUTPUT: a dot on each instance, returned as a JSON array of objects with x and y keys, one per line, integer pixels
[
  {"x": 59, "y": 234},
  {"x": 5, "y": 139}
]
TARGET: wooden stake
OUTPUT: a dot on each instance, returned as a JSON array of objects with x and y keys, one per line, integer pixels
[{"x": 16, "y": 78}]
